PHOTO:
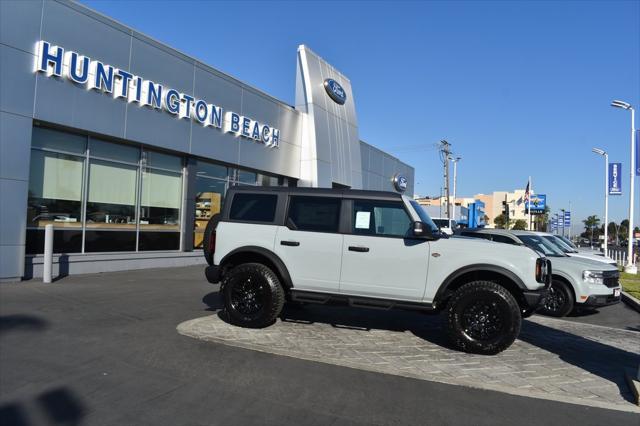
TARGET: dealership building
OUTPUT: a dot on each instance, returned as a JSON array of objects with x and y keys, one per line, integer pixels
[{"x": 127, "y": 146}]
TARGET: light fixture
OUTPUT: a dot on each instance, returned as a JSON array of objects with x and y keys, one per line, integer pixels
[{"x": 621, "y": 104}]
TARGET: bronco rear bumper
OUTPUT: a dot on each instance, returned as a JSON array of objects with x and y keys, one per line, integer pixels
[{"x": 212, "y": 272}]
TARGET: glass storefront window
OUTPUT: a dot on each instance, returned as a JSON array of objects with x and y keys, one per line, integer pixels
[
  {"x": 265, "y": 180},
  {"x": 160, "y": 204},
  {"x": 55, "y": 190},
  {"x": 59, "y": 141},
  {"x": 244, "y": 177},
  {"x": 111, "y": 200},
  {"x": 211, "y": 186},
  {"x": 103, "y": 196}
]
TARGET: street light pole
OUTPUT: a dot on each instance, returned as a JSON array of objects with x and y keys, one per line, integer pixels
[
  {"x": 455, "y": 180},
  {"x": 630, "y": 267},
  {"x": 606, "y": 196}
]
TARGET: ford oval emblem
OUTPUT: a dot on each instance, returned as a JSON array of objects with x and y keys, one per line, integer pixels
[
  {"x": 335, "y": 91},
  {"x": 400, "y": 182}
]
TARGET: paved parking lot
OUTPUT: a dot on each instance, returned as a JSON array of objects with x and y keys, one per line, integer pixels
[
  {"x": 557, "y": 359},
  {"x": 103, "y": 349}
]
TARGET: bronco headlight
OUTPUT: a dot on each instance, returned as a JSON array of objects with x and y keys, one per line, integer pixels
[{"x": 592, "y": 277}]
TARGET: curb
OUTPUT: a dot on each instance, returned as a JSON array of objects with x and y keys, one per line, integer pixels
[
  {"x": 631, "y": 301},
  {"x": 634, "y": 385}
]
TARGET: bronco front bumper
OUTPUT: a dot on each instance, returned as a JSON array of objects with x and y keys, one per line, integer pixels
[{"x": 533, "y": 298}]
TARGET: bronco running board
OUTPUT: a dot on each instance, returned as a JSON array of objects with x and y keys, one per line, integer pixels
[{"x": 357, "y": 301}]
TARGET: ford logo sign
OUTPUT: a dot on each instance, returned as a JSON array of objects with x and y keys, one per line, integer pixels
[
  {"x": 335, "y": 91},
  {"x": 400, "y": 182}
]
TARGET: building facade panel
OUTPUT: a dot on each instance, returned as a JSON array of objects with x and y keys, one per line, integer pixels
[
  {"x": 70, "y": 28},
  {"x": 20, "y": 23},
  {"x": 217, "y": 90},
  {"x": 17, "y": 89},
  {"x": 15, "y": 140}
]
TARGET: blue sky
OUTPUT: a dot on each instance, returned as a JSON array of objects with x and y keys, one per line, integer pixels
[{"x": 518, "y": 88}]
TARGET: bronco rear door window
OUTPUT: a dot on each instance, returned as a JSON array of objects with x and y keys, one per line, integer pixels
[{"x": 254, "y": 207}]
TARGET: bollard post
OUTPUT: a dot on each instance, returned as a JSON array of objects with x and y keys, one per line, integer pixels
[{"x": 48, "y": 254}]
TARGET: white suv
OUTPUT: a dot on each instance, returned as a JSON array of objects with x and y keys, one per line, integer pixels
[
  {"x": 576, "y": 282},
  {"x": 368, "y": 249}
]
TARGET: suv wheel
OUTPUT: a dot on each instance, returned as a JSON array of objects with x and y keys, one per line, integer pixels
[
  {"x": 206, "y": 238},
  {"x": 559, "y": 300},
  {"x": 253, "y": 296},
  {"x": 483, "y": 318}
]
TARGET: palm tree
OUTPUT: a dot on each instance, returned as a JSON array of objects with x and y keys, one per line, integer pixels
[{"x": 590, "y": 223}]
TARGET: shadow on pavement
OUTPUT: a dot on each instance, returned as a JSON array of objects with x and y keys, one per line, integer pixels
[
  {"x": 578, "y": 313},
  {"x": 605, "y": 361},
  {"x": 60, "y": 407},
  {"x": 429, "y": 327},
  {"x": 213, "y": 301},
  {"x": 22, "y": 323}
]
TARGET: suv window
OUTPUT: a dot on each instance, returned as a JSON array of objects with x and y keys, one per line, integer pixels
[
  {"x": 380, "y": 218},
  {"x": 503, "y": 239},
  {"x": 254, "y": 207},
  {"x": 319, "y": 214}
]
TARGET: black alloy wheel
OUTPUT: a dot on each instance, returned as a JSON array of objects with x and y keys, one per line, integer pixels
[
  {"x": 559, "y": 300},
  {"x": 252, "y": 295},
  {"x": 483, "y": 318},
  {"x": 248, "y": 295}
]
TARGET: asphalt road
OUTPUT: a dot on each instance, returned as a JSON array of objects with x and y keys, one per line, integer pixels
[
  {"x": 617, "y": 316},
  {"x": 103, "y": 350}
]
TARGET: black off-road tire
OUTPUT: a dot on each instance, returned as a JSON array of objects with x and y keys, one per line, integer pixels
[
  {"x": 559, "y": 301},
  {"x": 211, "y": 226},
  {"x": 252, "y": 294},
  {"x": 483, "y": 318}
]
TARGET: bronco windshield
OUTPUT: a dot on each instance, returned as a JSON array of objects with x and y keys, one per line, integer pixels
[
  {"x": 424, "y": 216},
  {"x": 542, "y": 245},
  {"x": 560, "y": 244},
  {"x": 568, "y": 242}
]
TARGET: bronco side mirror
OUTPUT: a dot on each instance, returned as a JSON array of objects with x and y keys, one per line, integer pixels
[{"x": 421, "y": 230}]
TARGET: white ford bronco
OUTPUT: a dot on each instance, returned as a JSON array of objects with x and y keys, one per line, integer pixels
[{"x": 368, "y": 249}]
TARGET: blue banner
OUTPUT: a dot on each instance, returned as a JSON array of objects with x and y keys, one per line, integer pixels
[
  {"x": 567, "y": 219},
  {"x": 615, "y": 178}
]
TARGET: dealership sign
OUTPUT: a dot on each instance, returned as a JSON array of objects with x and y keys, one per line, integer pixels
[
  {"x": 537, "y": 203},
  {"x": 400, "y": 182},
  {"x": 614, "y": 178},
  {"x": 95, "y": 75},
  {"x": 335, "y": 91}
]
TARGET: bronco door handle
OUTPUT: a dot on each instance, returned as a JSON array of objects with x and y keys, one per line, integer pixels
[
  {"x": 290, "y": 243},
  {"x": 359, "y": 249}
]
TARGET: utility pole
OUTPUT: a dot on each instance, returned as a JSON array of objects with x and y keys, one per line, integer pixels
[{"x": 445, "y": 153}]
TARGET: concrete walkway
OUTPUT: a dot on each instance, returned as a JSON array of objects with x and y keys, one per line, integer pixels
[{"x": 553, "y": 359}]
